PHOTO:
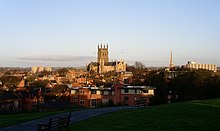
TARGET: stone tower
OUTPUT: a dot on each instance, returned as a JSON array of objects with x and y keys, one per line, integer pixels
[
  {"x": 102, "y": 54},
  {"x": 171, "y": 60}
]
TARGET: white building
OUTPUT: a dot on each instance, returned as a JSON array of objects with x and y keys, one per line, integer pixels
[
  {"x": 194, "y": 65},
  {"x": 36, "y": 69},
  {"x": 40, "y": 68},
  {"x": 48, "y": 68}
]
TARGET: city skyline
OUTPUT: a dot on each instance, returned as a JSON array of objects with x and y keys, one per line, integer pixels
[{"x": 67, "y": 33}]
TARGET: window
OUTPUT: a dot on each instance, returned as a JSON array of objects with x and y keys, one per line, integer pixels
[
  {"x": 82, "y": 102},
  {"x": 135, "y": 91},
  {"x": 145, "y": 91},
  {"x": 81, "y": 92},
  {"x": 75, "y": 99},
  {"x": 74, "y": 92},
  {"x": 93, "y": 102},
  {"x": 126, "y": 90},
  {"x": 105, "y": 101},
  {"x": 93, "y": 91},
  {"x": 105, "y": 92}
]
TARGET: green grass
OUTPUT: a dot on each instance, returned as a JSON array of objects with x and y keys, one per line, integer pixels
[
  {"x": 194, "y": 115},
  {"x": 11, "y": 119}
]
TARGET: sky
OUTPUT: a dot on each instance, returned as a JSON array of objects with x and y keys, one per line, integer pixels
[{"x": 67, "y": 32}]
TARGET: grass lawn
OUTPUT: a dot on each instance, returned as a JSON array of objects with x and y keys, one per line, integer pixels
[
  {"x": 193, "y": 115},
  {"x": 6, "y": 120}
]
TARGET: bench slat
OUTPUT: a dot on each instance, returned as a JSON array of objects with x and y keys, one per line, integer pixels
[{"x": 55, "y": 123}]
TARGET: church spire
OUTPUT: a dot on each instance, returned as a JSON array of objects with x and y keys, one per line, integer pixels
[{"x": 171, "y": 59}]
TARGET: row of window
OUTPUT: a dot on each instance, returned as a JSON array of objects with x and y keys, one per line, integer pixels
[
  {"x": 104, "y": 53},
  {"x": 202, "y": 66},
  {"x": 95, "y": 92},
  {"x": 135, "y": 91},
  {"x": 93, "y": 102}
]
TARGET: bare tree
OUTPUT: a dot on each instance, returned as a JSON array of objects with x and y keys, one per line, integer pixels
[{"x": 139, "y": 65}]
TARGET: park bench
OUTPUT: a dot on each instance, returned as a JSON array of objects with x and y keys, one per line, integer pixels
[
  {"x": 55, "y": 123},
  {"x": 141, "y": 104}
]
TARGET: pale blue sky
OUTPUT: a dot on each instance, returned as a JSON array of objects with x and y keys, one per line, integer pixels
[{"x": 67, "y": 32}]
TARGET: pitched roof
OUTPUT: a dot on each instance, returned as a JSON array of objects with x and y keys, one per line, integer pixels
[
  {"x": 110, "y": 63},
  {"x": 105, "y": 64},
  {"x": 94, "y": 63}
]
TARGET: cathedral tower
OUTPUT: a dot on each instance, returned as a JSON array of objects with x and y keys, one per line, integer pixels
[{"x": 102, "y": 53}]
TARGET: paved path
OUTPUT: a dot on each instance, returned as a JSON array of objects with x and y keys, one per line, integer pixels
[{"x": 75, "y": 117}]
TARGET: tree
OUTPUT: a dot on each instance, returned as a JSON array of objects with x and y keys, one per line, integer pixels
[
  {"x": 59, "y": 88},
  {"x": 44, "y": 73},
  {"x": 196, "y": 84},
  {"x": 62, "y": 71},
  {"x": 130, "y": 68},
  {"x": 139, "y": 65},
  {"x": 159, "y": 80},
  {"x": 39, "y": 84},
  {"x": 13, "y": 80}
]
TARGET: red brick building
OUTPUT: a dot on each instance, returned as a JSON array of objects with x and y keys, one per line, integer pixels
[{"x": 118, "y": 95}]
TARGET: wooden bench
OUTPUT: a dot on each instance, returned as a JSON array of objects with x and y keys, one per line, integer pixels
[
  {"x": 55, "y": 123},
  {"x": 141, "y": 104}
]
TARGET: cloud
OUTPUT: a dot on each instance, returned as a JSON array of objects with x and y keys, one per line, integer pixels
[
  {"x": 148, "y": 62},
  {"x": 56, "y": 58}
]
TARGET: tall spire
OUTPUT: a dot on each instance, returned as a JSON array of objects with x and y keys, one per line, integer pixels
[{"x": 171, "y": 59}]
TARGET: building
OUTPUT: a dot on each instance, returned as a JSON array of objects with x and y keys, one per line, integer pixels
[
  {"x": 10, "y": 102},
  {"x": 40, "y": 69},
  {"x": 73, "y": 74},
  {"x": 36, "y": 69},
  {"x": 103, "y": 65},
  {"x": 194, "y": 65},
  {"x": 117, "y": 95},
  {"x": 48, "y": 68}
]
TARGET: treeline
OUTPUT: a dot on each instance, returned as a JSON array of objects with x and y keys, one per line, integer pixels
[
  {"x": 196, "y": 85},
  {"x": 184, "y": 85}
]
